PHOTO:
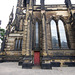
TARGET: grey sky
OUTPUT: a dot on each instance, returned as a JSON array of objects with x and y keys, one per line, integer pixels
[{"x": 6, "y": 8}]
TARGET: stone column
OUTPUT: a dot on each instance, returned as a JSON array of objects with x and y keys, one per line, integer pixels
[
  {"x": 25, "y": 31},
  {"x": 40, "y": 35},
  {"x": 58, "y": 34},
  {"x": 70, "y": 35},
  {"x": 46, "y": 58},
  {"x": 29, "y": 39},
  {"x": 27, "y": 60},
  {"x": 33, "y": 34},
  {"x": 49, "y": 44},
  {"x": 44, "y": 35}
]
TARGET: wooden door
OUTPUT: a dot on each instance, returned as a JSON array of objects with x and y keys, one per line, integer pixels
[{"x": 36, "y": 58}]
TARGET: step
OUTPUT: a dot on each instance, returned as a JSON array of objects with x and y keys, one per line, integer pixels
[{"x": 36, "y": 67}]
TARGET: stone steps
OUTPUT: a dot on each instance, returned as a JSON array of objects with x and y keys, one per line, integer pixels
[{"x": 36, "y": 67}]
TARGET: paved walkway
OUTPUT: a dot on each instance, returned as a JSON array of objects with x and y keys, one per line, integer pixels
[{"x": 12, "y": 68}]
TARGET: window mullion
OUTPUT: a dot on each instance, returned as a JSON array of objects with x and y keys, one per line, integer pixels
[
  {"x": 58, "y": 34},
  {"x": 18, "y": 44},
  {"x": 50, "y": 35},
  {"x": 62, "y": 35},
  {"x": 54, "y": 34}
]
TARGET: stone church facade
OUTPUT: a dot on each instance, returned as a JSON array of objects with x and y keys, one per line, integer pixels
[{"x": 40, "y": 35}]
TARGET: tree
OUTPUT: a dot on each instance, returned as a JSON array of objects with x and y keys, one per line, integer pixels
[{"x": 2, "y": 32}]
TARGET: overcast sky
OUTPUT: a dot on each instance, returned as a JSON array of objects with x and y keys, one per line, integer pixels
[{"x": 6, "y": 8}]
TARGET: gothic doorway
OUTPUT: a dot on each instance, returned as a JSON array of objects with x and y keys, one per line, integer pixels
[{"x": 36, "y": 58}]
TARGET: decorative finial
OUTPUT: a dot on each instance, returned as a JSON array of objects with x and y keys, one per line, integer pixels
[{"x": 68, "y": 4}]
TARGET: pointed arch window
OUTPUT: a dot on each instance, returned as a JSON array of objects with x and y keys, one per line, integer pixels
[
  {"x": 37, "y": 39},
  {"x": 19, "y": 44},
  {"x": 63, "y": 39},
  {"x": 54, "y": 34},
  {"x": 16, "y": 44}
]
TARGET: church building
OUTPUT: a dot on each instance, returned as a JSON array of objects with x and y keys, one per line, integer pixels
[{"x": 42, "y": 35}]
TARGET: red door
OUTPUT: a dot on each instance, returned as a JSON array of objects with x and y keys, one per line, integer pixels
[{"x": 36, "y": 58}]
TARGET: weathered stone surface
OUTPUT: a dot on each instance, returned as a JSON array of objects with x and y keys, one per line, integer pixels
[{"x": 21, "y": 41}]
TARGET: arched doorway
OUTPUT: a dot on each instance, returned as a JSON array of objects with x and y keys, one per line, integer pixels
[{"x": 37, "y": 51}]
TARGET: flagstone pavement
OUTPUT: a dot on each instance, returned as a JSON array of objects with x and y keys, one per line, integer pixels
[{"x": 12, "y": 68}]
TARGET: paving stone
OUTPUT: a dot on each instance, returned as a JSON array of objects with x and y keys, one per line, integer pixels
[{"x": 12, "y": 68}]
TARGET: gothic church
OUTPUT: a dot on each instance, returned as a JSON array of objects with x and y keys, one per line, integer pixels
[{"x": 41, "y": 35}]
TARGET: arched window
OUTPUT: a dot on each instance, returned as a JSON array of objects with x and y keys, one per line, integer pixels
[
  {"x": 16, "y": 44},
  {"x": 19, "y": 44},
  {"x": 36, "y": 27},
  {"x": 62, "y": 33},
  {"x": 54, "y": 34}
]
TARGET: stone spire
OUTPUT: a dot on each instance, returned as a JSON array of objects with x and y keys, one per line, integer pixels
[
  {"x": 42, "y": 4},
  {"x": 68, "y": 4},
  {"x": 27, "y": 1},
  {"x": 11, "y": 16},
  {"x": 34, "y": 2},
  {"x": 10, "y": 22}
]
